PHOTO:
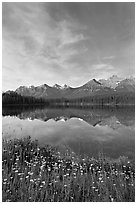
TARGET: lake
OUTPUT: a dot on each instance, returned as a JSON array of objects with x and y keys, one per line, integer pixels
[{"x": 86, "y": 131}]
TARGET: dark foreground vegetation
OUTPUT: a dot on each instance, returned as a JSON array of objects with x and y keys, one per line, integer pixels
[
  {"x": 33, "y": 173},
  {"x": 121, "y": 98},
  {"x": 13, "y": 98}
]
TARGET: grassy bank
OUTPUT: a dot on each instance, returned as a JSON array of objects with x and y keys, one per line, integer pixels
[{"x": 31, "y": 173}]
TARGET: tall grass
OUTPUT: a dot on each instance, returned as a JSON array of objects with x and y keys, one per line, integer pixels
[{"x": 31, "y": 173}]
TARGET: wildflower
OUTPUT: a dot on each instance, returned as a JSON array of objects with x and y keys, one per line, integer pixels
[
  {"x": 93, "y": 187},
  {"x": 41, "y": 167},
  {"x": 30, "y": 173},
  {"x": 5, "y": 179},
  {"x": 112, "y": 199},
  {"x": 73, "y": 162},
  {"x": 4, "y": 183}
]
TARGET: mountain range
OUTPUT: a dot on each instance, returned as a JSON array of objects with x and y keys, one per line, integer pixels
[{"x": 93, "y": 87}]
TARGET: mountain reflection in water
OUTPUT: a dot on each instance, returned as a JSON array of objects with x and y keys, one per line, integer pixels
[{"x": 85, "y": 131}]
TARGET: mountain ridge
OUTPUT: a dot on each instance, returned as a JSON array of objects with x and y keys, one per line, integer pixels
[{"x": 92, "y": 87}]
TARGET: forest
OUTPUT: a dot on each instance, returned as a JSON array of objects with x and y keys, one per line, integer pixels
[{"x": 12, "y": 98}]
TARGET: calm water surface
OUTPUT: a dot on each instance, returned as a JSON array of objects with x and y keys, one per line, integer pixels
[{"x": 85, "y": 131}]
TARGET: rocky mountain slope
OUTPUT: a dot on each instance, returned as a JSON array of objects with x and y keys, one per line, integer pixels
[{"x": 93, "y": 87}]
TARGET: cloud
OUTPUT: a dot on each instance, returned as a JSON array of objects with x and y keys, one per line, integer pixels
[
  {"x": 63, "y": 43},
  {"x": 67, "y": 37},
  {"x": 33, "y": 40},
  {"x": 100, "y": 66},
  {"x": 102, "y": 71},
  {"x": 109, "y": 57}
]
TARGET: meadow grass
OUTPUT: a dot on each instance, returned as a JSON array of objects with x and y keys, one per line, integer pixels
[{"x": 36, "y": 174}]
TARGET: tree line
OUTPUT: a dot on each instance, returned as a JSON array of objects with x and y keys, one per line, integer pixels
[
  {"x": 14, "y": 98},
  {"x": 105, "y": 99}
]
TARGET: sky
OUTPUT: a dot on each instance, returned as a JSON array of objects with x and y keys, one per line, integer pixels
[{"x": 66, "y": 42}]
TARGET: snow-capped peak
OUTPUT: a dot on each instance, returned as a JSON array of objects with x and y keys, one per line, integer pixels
[
  {"x": 61, "y": 87},
  {"x": 65, "y": 86},
  {"x": 115, "y": 78},
  {"x": 57, "y": 86}
]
